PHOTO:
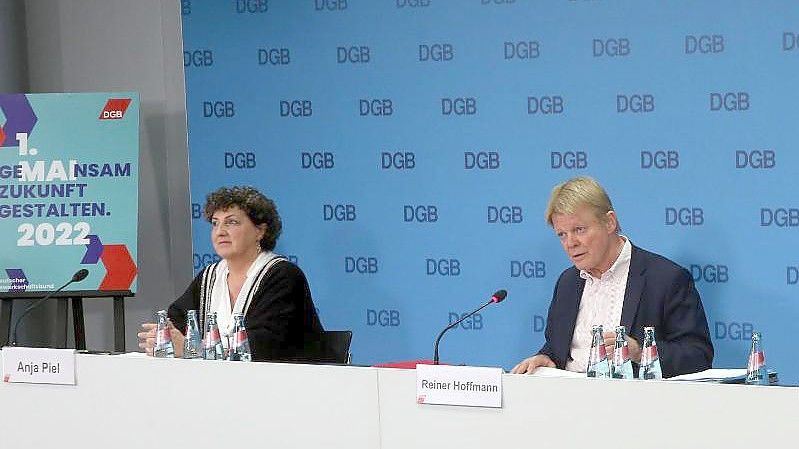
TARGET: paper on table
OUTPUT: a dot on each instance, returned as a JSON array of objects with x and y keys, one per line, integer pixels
[
  {"x": 133, "y": 354},
  {"x": 554, "y": 372},
  {"x": 712, "y": 374}
]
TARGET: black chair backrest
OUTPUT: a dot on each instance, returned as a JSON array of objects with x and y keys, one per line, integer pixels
[
  {"x": 337, "y": 345},
  {"x": 329, "y": 347}
]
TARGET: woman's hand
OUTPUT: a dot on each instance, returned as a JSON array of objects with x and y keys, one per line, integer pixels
[{"x": 147, "y": 338}]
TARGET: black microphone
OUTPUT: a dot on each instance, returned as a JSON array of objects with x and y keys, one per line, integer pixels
[
  {"x": 77, "y": 277},
  {"x": 495, "y": 298}
]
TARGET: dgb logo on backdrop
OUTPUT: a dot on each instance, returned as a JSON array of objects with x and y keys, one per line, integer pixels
[
  {"x": 400, "y": 160},
  {"x": 198, "y": 58},
  {"x": 782, "y": 217},
  {"x": 790, "y": 41},
  {"x": 530, "y": 269},
  {"x": 185, "y": 7},
  {"x": 521, "y": 50},
  {"x": 330, "y": 5},
  {"x": 357, "y": 54},
  {"x": 473, "y": 323},
  {"x": 481, "y": 160},
  {"x": 274, "y": 56},
  {"x": 360, "y": 264},
  {"x": 413, "y": 3},
  {"x": 660, "y": 159},
  {"x": 497, "y": 2},
  {"x": 637, "y": 103},
  {"x": 729, "y": 101},
  {"x": 685, "y": 216},
  {"x": 710, "y": 273},
  {"x": 539, "y": 323},
  {"x": 252, "y": 6},
  {"x": 792, "y": 274},
  {"x": 420, "y": 214},
  {"x": 240, "y": 160},
  {"x": 443, "y": 267},
  {"x": 568, "y": 159},
  {"x": 383, "y": 317},
  {"x": 296, "y": 108},
  {"x": 219, "y": 109},
  {"x": 757, "y": 159},
  {"x": 704, "y": 44},
  {"x": 545, "y": 105},
  {"x": 320, "y": 160},
  {"x": 439, "y": 52},
  {"x": 203, "y": 260},
  {"x": 339, "y": 212},
  {"x": 505, "y": 214},
  {"x": 459, "y": 106},
  {"x": 733, "y": 330},
  {"x": 382, "y": 107},
  {"x": 611, "y": 47}
]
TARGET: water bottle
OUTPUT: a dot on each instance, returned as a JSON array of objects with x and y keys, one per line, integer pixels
[
  {"x": 213, "y": 341},
  {"x": 622, "y": 366},
  {"x": 756, "y": 373},
  {"x": 598, "y": 356},
  {"x": 650, "y": 362},
  {"x": 240, "y": 345},
  {"x": 192, "y": 345},
  {"x": 163, "y": 339}
]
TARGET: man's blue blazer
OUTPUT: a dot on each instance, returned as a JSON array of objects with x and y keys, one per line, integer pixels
[{"x": 659, "y": 293}]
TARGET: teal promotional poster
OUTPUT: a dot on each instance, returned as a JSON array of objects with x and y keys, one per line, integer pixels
[{"x": 68, "y": 191}]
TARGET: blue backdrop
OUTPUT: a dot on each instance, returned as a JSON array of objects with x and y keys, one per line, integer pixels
[{"x": 411, "y": 146}]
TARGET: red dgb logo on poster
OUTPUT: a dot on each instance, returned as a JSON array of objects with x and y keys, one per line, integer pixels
[{"x": 114, "y": 109}]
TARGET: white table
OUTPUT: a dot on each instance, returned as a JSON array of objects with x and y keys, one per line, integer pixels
[
  {"x": 144, "y": 402},
  {"x": 139, "y": 402},
  {"x": 594, "y": 413}
]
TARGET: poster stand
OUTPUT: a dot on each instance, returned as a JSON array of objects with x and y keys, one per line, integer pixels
[{"x": 64, "y": 298}]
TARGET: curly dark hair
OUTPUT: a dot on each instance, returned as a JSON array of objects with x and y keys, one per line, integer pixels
[{"x": 255, "y": 204}]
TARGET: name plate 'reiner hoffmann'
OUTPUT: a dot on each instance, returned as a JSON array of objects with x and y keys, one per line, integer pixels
[
  {"x": 38, "y": 365},
  {"x": 459, "y": 385}
]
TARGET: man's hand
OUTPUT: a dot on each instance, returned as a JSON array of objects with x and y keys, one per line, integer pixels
[
  {"x": 529, "y": 365},
  {"x": 632, "y": 344}
]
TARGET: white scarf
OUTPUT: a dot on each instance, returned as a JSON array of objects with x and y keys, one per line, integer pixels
[{"x": 220, "y": 297}]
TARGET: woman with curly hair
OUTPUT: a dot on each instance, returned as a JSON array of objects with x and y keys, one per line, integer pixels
[{"x": 270, "y": 291}]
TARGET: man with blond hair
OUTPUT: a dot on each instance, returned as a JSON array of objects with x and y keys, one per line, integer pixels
[{"x": 612, "y": 283}]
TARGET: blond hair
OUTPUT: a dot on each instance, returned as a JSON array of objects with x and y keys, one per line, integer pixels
[{"x": 567, "y": 197}]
